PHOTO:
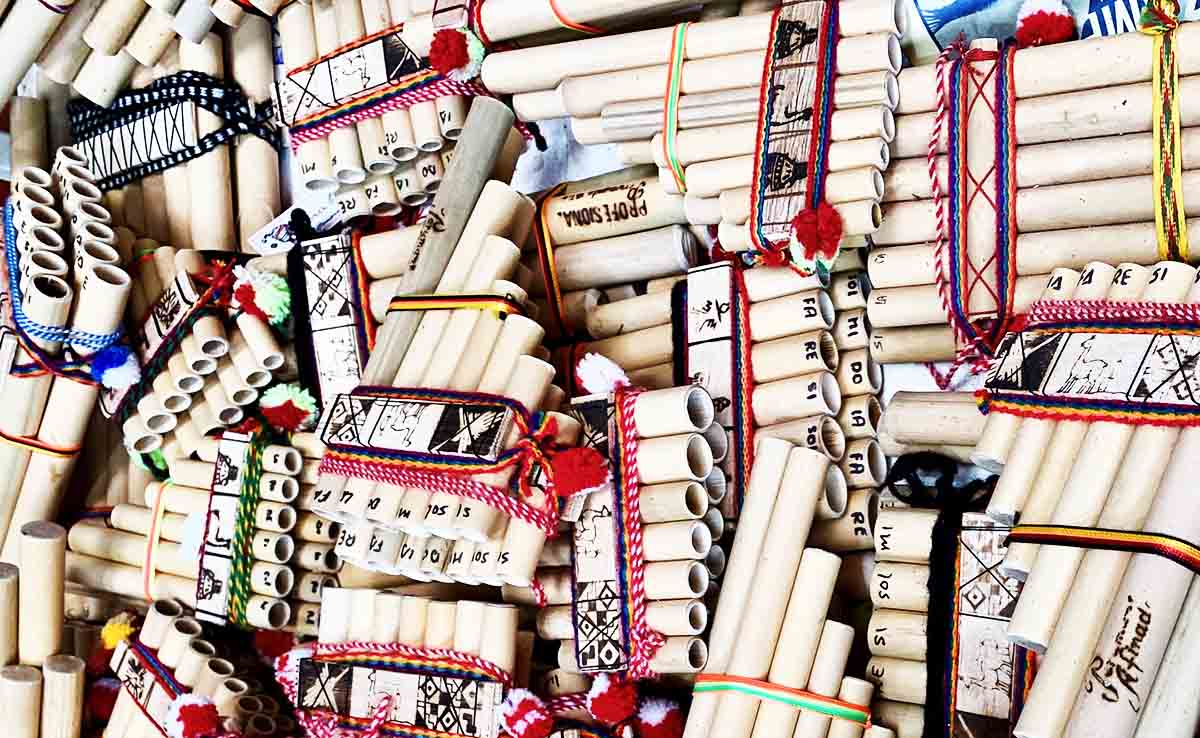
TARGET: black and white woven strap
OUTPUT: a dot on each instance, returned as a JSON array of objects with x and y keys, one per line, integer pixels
[{"x": 148, "y": 149}]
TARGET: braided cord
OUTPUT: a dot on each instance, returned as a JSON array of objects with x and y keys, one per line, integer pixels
[{"x": 243, "y": 531}]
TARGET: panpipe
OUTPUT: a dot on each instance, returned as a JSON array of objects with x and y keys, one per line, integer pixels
[
  {"x": 73, "y": 299},
  {"x": 1057, "y": 126}
]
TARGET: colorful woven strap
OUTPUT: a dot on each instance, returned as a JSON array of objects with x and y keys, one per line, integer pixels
[
  {"x": 670, "y": 133},
  {"x": 501, "y": 305},
  {"x": 241, "y": 555},
  {"x": 644, "y": 641},
  {"x": 545, "y": 252},
  {"x": 797, "y": 698},
  {"x": 1171, "y": 547},
  {"x": 454, "y": 474},
  {"x": 790, "y": 222},
  {"x": 1160, "y": 18}
]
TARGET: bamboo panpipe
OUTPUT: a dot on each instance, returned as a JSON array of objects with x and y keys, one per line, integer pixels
[
  {"x": 1170, "y": 709},
  {"x": 1000, "y": 429},
  {"x": 1028, "y": 486},
  {"x": 1082, "y": 500},
  {"x": 803, "y": 644},
  {"x": 1108, "y": 583}
]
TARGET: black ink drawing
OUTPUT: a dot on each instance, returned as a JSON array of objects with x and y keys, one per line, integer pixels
[{"x": 1090, "y": 373}]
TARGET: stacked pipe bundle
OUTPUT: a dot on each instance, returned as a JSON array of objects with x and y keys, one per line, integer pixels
[
  {"x": 41, "y": 686},
  {"x": 213, "y": 374},
  {"x": 459, "y": 350},
  {"x": 896, "y": 635},
  {"x": 601, "y": 234},
  {"x": 144, "y": 552},
  {"x": 382, "y": 162},
  {"x": 177, "y": 642},
  {"x": 678, "y": 447},
  {"x": 1067, "y": 108},
  {"x": 611, "y": 88},
  {"x": 69, "y": 260},
  {"x": 1094, "y": 614},
  {"x": 772, "y": 633}
]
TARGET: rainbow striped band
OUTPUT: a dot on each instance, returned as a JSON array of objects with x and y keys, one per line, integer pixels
[
  {"x": 1160, "y": 19},
  {"x": 501, "y": 305},
  {"x": 1176, "y": 549},
  {"x": 671, "y": 106},
  {"x": 797, "y": 698},
  {"x": 567, "y": 23}
]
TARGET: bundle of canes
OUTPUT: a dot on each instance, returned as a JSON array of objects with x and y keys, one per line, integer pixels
[
  {"x": 183, "y": 668},
  {"x": 1083, "y": 655},
  {"x": 768, "y": 638},
  {"x": 414, "y": 634},
  {"x": 385, "y": 159},
  {"x": 415, "y": 344},
  {"x": 897, "y": 631},
  {"x": 1056, "y": 124},
  {"x": 212, "y": 374},
  {"x": 55, "y": 403}
]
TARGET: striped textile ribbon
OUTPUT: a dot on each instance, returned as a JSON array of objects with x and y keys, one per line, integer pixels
[
  {"x": 797, "y": 698},
  {"x": 1171, "y": 547},
  {"x": 1160, "y": 18},
  {"x": 670, "y": 134},
  {"x": 241, "y": 558},
  {"x": 501, "y": 305},
  {"x": 567, "y": 23}
]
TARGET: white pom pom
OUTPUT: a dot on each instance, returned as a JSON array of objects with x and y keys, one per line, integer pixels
[
  {"x": 653, "y": 711},
  {"x": 600, "y": 375},
  {"x": 1052, "y": 7}
]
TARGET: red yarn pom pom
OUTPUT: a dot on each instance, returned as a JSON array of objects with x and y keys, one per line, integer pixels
[
  {"x": 659, "y": 719},
  {"x": 192, "y": 716},
  {"x": 523, "y": 715},
  {"x": 579, "y": 470},
  {"x": 244, "y": 295},
  {"x": 818, "y": 231},
  {"x": 101, "y": 697},
  {"x": 448, "y": 51},
  {"x": 97, "y": 663},
  {"x": 611, "y": 701},
  {"x": 271, "y": 644},
  {"x": 1042, "y": 22},
  {"x": 286, "y": 415}
]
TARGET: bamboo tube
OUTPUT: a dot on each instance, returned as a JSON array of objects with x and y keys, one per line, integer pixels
[
  {"x": 676, "y": 541},
  {"x": 133, "y": 518},
  {"x": 904, "y": 535},
  {"x": 42, "y": 547},
  {"x": 1062, "y": 117},
  {"x": 1000, "y": 429},
  {"x": 807, "y": 472},
  {"x": 625, "y": 316},
  {"x": 298, "y": 40},
  {"x": 623, "y": 259},
  {"x": 827, "y": 677},
  {"x": 610, "y": 211},
  {"x": 48, "y": 302},
  {"x": 820, "y": 433},
  {"x": 1083, "y": 496},
  {"x": 9, "y": 609},
  {"x": 27, "y": 121},
  {"x": 1020, "y": 488},
  {"x": 212, "y": 215},
  {"x": 130, "y": 549},
  {"x": 856, "y": 178},
  {"x": 126, "y": 580},
  {"x": 62, "y": 697},
  {"x": 933, "y": 417},
  {"x": 69, "y": 404},
  {"x": 65, "y": 52},
  {"x": 1105, "y": 202},
  {"x": 794, "y": 355},
  {"x": 851, "y": 531},
  {"x": 898, "y": 679},
  {"x": 771, "y": 462},
  {"x": 1118, "y": 600},
  {"x": 256, "y": 163},
  {"x": 907, "y": 720},
  {"x": 900, "y": 586},
  {"x": 21, "y": 695},
  {"x": 797, "y": 397},
  {"x": 541, "y": 69},
  {"x": 1170, "y": 709},
  {"x": 806, "y": 637},
  {"x": 898, "y": 634},
  {"x": 856, "y": 692}
]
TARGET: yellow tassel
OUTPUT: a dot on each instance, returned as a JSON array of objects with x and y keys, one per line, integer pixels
[{"x": 117, "y": 629}]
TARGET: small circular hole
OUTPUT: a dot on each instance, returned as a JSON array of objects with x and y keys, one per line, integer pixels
[
  {"x": 700, "y": 408},
  {"x": 284, "y": 548},
  {"x": 697, "y": 654},
  {"x": 697, "y": 579},
  {"x": 833, "y": 438},
  {"x": 699, "y": 456}
]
